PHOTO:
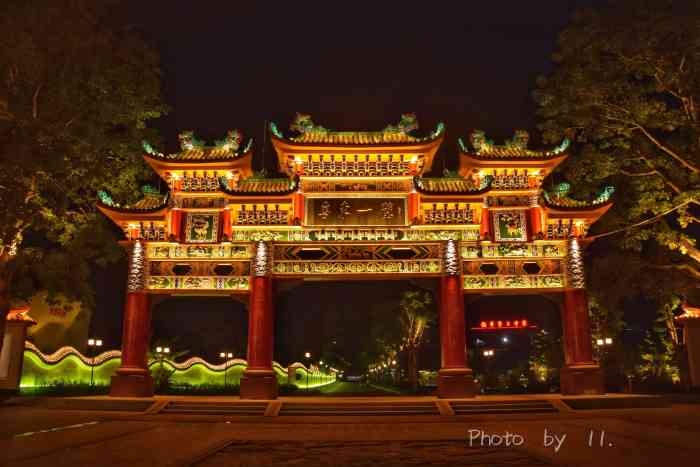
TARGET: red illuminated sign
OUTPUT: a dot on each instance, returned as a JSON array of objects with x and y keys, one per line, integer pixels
[{"x": 508, "y": 324}]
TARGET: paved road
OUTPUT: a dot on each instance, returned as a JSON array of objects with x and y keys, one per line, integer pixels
[
  {"x": 352, "y": 388},
  {"x": 36, "y": 436}
]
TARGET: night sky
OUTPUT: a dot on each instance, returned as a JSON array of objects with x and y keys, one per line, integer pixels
[{"x": 351, "y": 66}]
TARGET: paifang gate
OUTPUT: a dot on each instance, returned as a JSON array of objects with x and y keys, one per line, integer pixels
[{"x": 356, "y": 205}]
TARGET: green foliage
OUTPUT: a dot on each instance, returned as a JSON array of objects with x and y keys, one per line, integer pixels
[
  {"x": 77, "y": 90},
  {"x": 546, "y": 358},
  {"x": 62, "y": 388},
  {"x": 417, "y": 315},
  {"x": 660, "y": 347},
  {"x": 626, "y": 87}
]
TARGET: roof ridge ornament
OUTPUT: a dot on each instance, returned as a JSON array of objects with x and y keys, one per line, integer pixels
[
  {"x": 189, "y": 142},
  {"x": 231, "y": 142}
]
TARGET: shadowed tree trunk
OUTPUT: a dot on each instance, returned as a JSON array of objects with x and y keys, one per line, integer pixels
[
  {"x": 412, "y": 354},
  {"x": 5, "y": 278}
]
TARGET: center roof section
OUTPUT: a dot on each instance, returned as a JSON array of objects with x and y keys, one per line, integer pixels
[{"x": 351, "y": 153}]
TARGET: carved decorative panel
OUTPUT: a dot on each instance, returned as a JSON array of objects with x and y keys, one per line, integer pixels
[
  {"x": 222, "y": 251},
  {"x": 356, "y": 267},
  {"x": 231, "y": 283}
]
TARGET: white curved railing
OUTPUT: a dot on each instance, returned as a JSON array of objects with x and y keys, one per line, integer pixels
[{"x": 63, "y": 352}]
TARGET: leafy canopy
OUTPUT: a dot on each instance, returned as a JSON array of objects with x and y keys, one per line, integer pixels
[
  {"x": 77, "y": 89},
  {"x": 626, "y": 86}
]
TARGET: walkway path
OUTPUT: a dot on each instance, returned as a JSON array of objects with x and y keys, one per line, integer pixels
[{"x": 36, "y": 436}]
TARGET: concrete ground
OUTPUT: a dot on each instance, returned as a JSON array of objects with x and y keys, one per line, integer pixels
[{"x": 33, "y": 434}]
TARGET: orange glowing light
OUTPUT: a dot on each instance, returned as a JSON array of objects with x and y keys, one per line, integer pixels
[
  {"x": 524, "y": 322},
  {"x": 490, "y": 324},
  {"x": 500, "y": 323},
  {"x": 483, "y": 324},
  {"x": 508, "y": 324}
]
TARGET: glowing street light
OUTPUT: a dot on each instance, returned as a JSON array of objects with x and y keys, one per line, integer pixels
[
  {"x": 605, "y": 341},
  {"x": 488, "y": 353},
  {"x": 91, "y": 344}
]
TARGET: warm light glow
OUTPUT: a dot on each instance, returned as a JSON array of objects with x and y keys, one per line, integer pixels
[
  {"x": 500, "y": 324},
  {"x": 393, "y": 362},
  {"x": 159, "y": 349},
  {"x": 483, "y": 324},
  {"x": 608, "y": 340},
  {"x": 307, "y": 355},
  {"x": 491, "y": 323},
  {"x": 599, "y": 341},
  {"x": 524, "y": 322},
  {"x": 229, "y": 355},
  {"x": 166, "y": 350},
  {"x": 222, "y": 355},
  {"x": 98, "y": 342},
  {"x": 91, "y": 342}
]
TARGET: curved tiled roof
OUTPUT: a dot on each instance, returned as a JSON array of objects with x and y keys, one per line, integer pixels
[
  {"x": 564, "y": 202},
  {"x": 149, "y": 203},
  {"x": 363, "y": 138},
  {"x": 452, "y": 185},
  {"x": 203, "y": 154},
  {"x": 260, "y": 186},
  {"x": 485, "y": 149}
]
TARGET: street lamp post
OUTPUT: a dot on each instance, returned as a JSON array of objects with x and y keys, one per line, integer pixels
[
  {"x": 161, "y": 352},
  {"x": 92, "y": 343},
  {"x": 603, "y": 344},
  {"x": 226, "y": 357},
  {"x": 307, "y": 356}
]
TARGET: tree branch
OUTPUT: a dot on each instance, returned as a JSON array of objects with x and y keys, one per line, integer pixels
[
  {"x": 35, "y": 101},
  {"x": 639, "y": 174},
  {"x": 667, "y": 150},
  {"x": 638, "y": 224},
  {"x": 682, "y": 267}
]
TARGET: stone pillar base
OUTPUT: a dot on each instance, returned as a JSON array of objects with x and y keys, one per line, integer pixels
[
  {"x": 129, "y": 382},
  {"x": 456, "y": 383},
  {"x": 581, "y": 379},
  {"x": 259, "y": 384}
]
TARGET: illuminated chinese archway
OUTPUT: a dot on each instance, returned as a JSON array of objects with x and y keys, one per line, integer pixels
[{"x": 355, "y": 205}]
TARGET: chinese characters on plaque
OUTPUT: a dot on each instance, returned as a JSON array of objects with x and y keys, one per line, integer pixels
[{"x": 356, "y": 211}]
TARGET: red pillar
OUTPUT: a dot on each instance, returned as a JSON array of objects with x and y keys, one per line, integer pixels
[
  {"x": 132, "y": 378},
  {"x": 413, "y": 207},
  {"x": 259, "y": 380},
  {"x": 485, "y": 230},
  {"x": 536, "y": 221},
  {"x": 581, "y": 374},
  {"x": 455, "y": 378},
  {"x": 226, "y": 223},
  {"x": 175, "y": 223},
  {"x": 298, "y": 208}
]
